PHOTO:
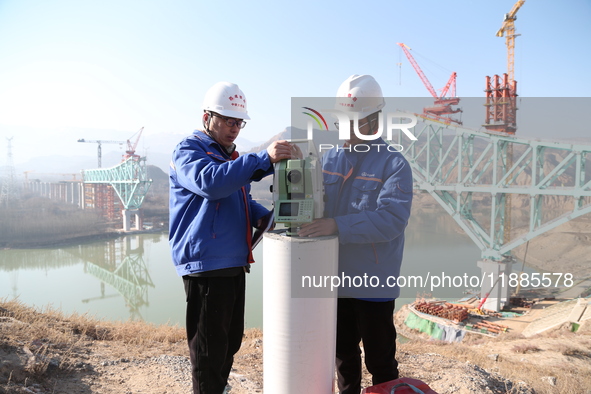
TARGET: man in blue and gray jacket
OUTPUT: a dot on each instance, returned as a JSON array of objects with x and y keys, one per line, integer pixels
[
  {"x": 211, "y": 219},
  {"x": 368, "y": 188}
]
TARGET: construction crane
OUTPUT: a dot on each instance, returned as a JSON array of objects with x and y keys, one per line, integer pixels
[
  {"x": 501, "y": 105},
  {"x": 99, "y": 150},
  {"x": 508, "y": 30},
  {"x": 129, "y": 152},
  {"x": 443, "y": 104},
  {"x": 501, "y": 92}
]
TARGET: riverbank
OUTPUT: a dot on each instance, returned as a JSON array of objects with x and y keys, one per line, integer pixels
[
  {"x": 48, "y": 352},
  {"x": 66, "y": 241}
]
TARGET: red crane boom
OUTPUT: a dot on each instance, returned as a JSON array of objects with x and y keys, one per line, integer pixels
[
  {"x": 131, "y": 146},
  {"x": 442, "y": 104}
]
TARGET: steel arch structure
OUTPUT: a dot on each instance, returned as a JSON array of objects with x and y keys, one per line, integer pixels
[
  {"x": 129, "y": 179},
  {"x": 471, "y": 174}
]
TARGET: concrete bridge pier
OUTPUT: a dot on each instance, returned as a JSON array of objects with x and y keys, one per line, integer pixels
[
  {"x": 138, "y": 222},
  {"x": 495, "y": 276}
]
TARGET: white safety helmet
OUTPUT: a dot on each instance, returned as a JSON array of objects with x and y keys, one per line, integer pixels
[
  {"x": 226, "y": 99},
  {"x": 360, "y": 94}
]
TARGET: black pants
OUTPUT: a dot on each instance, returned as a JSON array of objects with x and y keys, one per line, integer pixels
[
  {"x": 215, "y": 326},
  {"x": 372, "y": 323}
]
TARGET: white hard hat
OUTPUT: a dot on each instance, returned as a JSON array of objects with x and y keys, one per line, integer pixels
[
  {"x": 360, "y": 94},
  {"x": 226, "y": 99}
]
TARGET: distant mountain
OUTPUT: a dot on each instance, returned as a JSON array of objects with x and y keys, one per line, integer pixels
[
  {"x": 292, "y": 133},
  {"x": 158, "y": 147}
]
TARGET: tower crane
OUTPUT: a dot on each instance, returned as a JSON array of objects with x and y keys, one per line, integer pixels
[
  {"x": 129, "y": 152},
  {"x": 99, "y": 150},
  {"x": 443, "y": 104},
  {"x": 501, "y": 92},
  {"x": 508, "y": 30}
]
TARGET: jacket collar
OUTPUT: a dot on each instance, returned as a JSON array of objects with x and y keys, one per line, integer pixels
[{"x": 229, "y": 153}]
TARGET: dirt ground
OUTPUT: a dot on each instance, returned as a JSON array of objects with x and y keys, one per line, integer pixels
[{"x": 50, "y": 353}]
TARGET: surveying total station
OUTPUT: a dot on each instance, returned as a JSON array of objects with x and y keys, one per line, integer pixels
[{"x": 298, "y": 193}]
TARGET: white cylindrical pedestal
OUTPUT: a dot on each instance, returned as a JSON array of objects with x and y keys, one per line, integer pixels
[{"x": 299, "y": 321}]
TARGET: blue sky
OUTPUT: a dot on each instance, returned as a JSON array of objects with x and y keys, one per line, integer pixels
[{"x": 103, "y": 69}]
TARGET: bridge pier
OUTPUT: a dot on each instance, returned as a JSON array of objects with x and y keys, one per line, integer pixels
[
  {"x": 127, "y": 215},
  {"x": 498, "y": 286}
]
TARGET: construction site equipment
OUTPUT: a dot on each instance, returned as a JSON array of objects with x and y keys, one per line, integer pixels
[
  {"x": 508, "y": 30},
  {"x": 488, "y": 294},
  {"x": 129, "y": 152},
  {"x": 99, "y": 149},
  {"x": 442, "y": 109},
  {"x": 443, "y": 309},
  {"x": 501, "y": 92}
]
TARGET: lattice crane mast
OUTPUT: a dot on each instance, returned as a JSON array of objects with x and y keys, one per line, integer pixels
[
  {"x": 443, "y": 104},
  {"x": 129, "y": 152},
  {"x": 99, "y": 149},
  {"x": 508, "y": 30},
  {"x": 501, "y": 92}
]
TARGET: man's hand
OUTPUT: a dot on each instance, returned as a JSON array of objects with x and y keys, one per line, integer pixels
[
  {"x": 279, "y": 150},
  {"x": 260, "y": 223},
  {"x": 319, "y": 228}
]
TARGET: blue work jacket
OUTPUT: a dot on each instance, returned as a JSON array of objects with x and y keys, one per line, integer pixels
[
  {"x": 211, "y": 210},
  {"x": 369, "y": 194}
]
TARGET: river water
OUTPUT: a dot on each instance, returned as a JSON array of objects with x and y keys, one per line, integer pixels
[{"x": 132, "y": 277}]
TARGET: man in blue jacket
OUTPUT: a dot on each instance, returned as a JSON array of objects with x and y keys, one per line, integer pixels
[
  {"x": 369, "y": 193},
  {"x": 211, "y": 219}
]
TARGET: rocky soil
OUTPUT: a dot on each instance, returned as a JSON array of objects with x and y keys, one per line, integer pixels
[{"x": 49, "y": 353}]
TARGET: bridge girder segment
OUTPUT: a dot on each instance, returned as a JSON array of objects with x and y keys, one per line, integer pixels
[
  {"x": 129, "y": 179},
  {"x": 471, "y": 174}
]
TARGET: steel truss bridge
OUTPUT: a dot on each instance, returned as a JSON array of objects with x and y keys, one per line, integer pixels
[
  {"x": 120, "y": 264},
  {"x": 129, "y": 179},
  {"x": 476, "y": 176}
]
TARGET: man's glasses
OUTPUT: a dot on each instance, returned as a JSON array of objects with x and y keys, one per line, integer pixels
[
  {"x": 351, "y": 125},
  {"x": 230, "y": 122}
]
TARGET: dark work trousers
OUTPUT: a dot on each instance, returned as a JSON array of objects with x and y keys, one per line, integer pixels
[
  {"x": 372, "y": 323},
  {"x": 215, "y": 326}
]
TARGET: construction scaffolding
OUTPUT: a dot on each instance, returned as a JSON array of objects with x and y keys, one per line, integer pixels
[
  {"x": 101, "y": 197},
  {"x": 128, "y": 181}
]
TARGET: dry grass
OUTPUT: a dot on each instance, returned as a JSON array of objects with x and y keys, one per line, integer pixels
[
  {"x": 55, "y": 327},
  {"x": 50, "y": 335},
  {"x": 524, "y": 348},
  {"x": 569, "y": 359},
  {"x": 45, "y": 336}
]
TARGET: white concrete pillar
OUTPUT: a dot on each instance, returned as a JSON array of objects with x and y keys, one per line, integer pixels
[
  {"x": 139, "y": 219},
  {"x": 299, "y": 323},
  {"x": 495, "y": 276},
  {"x": 126, "y": 216}
]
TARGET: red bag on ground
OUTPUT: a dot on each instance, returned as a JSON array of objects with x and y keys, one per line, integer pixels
[{"x": 400, "y": 386}]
